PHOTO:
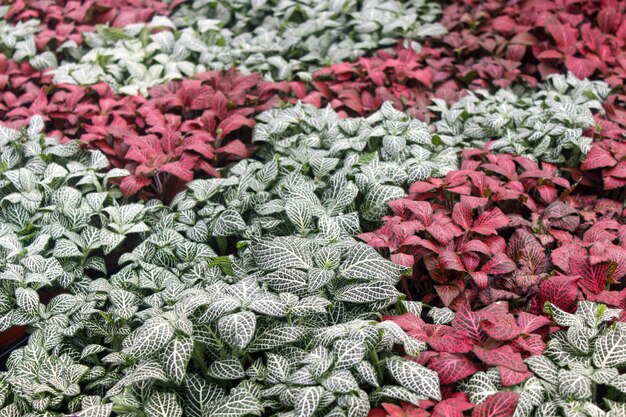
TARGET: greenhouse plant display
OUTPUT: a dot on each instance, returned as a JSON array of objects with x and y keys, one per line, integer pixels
[{"x": 343, "y": 208}]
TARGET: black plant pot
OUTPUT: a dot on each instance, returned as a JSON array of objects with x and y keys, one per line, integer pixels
[{"x": 10, "y": 340}]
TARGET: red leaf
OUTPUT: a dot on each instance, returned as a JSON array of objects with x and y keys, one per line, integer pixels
[
  {"x": 454, "y": 406},
  {"x": 234, "y": 147},
  {"x": 502, "y": 356},
  {"x": 489, "y": 221},
  {"x": 608, "y": 19},
  {"x": 176, "y": 169},
  {"x": 233, "y": 123},
  {"x": 550, "y": 54},
  {"x": 408, "y": 321},
  {"x": 462, "y": 215},
  {"x": 448, "y": 339},
  {"x": 219, "y": 104},
  {"x": 132, "y": 184},
  {"x": 510, "y": 378},
  {"x": 447, "y": 293},
  {"x": 500, "y": 404},
  {"x": 502, "y": 328},
  {"x": 403, "y": 259},
  {"x": 563, "y": 36},
  {"x": 481, "y": 279},
  {"x": 581, "y": 67},
  {"x": 598, "y": 157},
  {"x": 503, "y": 24},
  {"x": 528, "y": 323},
  {"x": 452, "y": 368},
  {"x": 450, "y": 260},
  {"x": 560, "y": 291},
  {"x": 469, "y": 322},
  {"x": 499, "y": 264},
  {"x": 592, "y": 277}
]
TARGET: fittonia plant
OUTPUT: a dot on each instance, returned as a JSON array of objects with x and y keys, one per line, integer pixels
[
  {"x": 59, "y": 218},
  {"x": 581, "y": 373},
  {"x": 546, "y": 125},
  {"x": 325, "y": 177},
  {"x": 18, "y": 43},
  {"x": 281, "y": 39},
  {"x": 288, "y": 326}
]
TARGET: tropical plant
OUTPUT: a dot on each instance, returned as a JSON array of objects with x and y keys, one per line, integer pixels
[
  {"x": 325, "y": 178},
  {"x": 279, "y": 39},
  {"x": 580, "y": 372},
  {"x": 602, "y": 168},
  {"x": 489, "y": 45},
  {"x": 506, "y": 228},
  {"x": 186, "y": 126},
  {"x": 285, "y": 326},
  {"x": 18, "y": 42},
  {"x": 466, "y": 342},
  {"x": 547, "y": 125},
  {"x": 59, "y": 218},
  {"x": 582, "y": 359}
]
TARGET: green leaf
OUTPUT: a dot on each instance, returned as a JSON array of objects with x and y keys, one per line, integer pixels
[
  {"x": 366, "y": 292},
  {"x": 414, "y": 377},
  {"x": 151, "y": 337},
  {"x": 163, "y": 404},
  {"x": 364, "y": 263},
  {"x": 237, "y": 405},
  {"x": 238, "y": 329},
  {"x": 176, "y": 357},
  {"x": 610, "y": 349},
  {"x": 226, "y": 369},
  {"x": 281, "y": 252}
]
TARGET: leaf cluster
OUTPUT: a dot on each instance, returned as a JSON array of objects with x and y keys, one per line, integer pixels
[
  {"x": 506, "y": 228},
  {"x": 547, "y": 125},
  {"x": 184, "y": 128},
  {"x": 288, "y": 325},
  {"x": 325, "y": 178},
  {"x": 59, "y": 219},
  {"x": 282, "y": 40}
]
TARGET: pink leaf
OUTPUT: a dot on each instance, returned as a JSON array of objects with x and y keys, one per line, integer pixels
[
  {"x": 489, "y": 221},
  {"x": 132, "y": 184},
  {"x": 560, "y": 291},
  {"x": 176, "y": 169},
  {"x": 234, "y": 147},
  {"x": 499, "y": 264},
  {"x": 504, "y": 328},
  {"x": 592, "y": 277},
  {"x": 500, "y": 404},
  {"x": 462, "y": 215},
  {"x": 233, "y": 123},
  {"x": 502, "y": 356},
  {"x": 452, "y": 368},
  {"x": 581, "y": 67}
]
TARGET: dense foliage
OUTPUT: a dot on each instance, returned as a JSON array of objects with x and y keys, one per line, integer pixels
[
  {"x": 183, "y": 128},
  {"x": 548, "y": 125},
  {"x": 59, "y": 219},
  {"x": 489, "y": 45},
  {"x": 507, "y": 228},
  {"x": 282, "y": 40},
  {"x": 308, "y": 209}
]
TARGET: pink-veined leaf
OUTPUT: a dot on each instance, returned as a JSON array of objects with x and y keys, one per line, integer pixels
[
  {"x": 498, "y": 264},
  {"x": 452, "y": 368},
  {"x": 501, "y": 356},
  {"x": 501, "y": 328},
  {"x": 560, "y": 290},
  {"x": 500, "y": 404},
  {"x": 581, "y": 67},
  {"x": 489, "y": 221}
]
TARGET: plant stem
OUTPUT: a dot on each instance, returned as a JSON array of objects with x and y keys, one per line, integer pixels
[{"x": 376, "y": 363}]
